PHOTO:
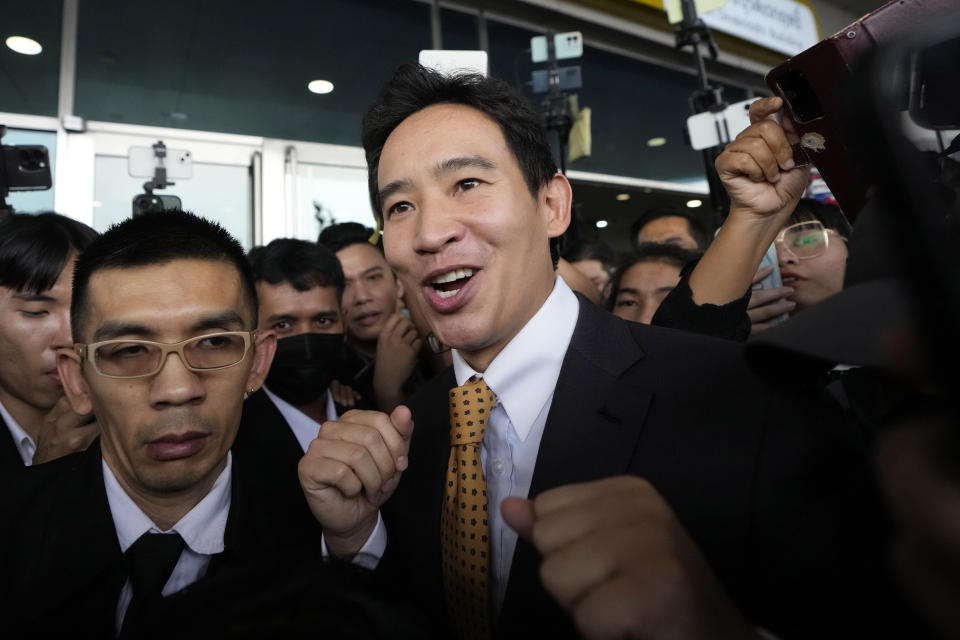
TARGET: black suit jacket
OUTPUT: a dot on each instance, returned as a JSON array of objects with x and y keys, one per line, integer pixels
[
  {"x": 60, "y": 561},
  {"x": 769, "y": 488},
  {"x": 9, "y": 454}
]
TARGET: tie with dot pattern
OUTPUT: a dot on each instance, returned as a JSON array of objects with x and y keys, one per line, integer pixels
[{"x": 464, "y": 531}]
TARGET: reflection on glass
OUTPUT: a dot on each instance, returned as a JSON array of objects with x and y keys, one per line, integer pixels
[{"x": 216, "y": 192}]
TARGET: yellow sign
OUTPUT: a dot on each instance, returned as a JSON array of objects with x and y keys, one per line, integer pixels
[{"x": 675, "y": 11}]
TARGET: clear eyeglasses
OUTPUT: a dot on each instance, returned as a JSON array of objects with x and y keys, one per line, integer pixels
[
  {"x": 141, "y": 358},
  {"x": 804, "y": 240}
]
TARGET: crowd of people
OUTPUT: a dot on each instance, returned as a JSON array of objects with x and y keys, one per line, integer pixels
[{"x": 458, "y": 427}]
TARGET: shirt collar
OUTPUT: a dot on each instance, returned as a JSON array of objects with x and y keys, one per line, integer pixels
[
  {"x": 26, "y": 447},
  {"x": 304, "y": 428},
  {"x": 202, "y": 528},
  {"x": 525, "y": 372}
]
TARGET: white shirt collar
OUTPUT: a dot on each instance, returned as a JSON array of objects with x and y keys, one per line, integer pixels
[
  {"x": 525, "y": 372},
  {"x": 26, "y": 447},
  {"x": 304, "y": 428},
  {"x": 202, "y": 528}
]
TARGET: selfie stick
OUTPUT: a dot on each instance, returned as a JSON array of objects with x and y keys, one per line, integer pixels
[{"x": 692, "y": 33}]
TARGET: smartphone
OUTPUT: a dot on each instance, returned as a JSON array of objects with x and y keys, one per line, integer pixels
[
  {"x": 26, "y": 168},
  {"x": 710, "y": 129},
  {"x": 152, "y": 202},
  {"x": 773, "y": 280},
  {"x": 142, "y": 163}
]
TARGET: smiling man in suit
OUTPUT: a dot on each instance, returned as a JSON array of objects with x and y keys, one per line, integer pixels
[{"x": 658, "y": 488}]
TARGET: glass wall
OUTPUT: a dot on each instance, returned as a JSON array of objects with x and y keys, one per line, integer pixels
[
  {"x": 28, "y": 83},
  {"x": 243, "y": 67},
  {"x": 217, "y": 192}
]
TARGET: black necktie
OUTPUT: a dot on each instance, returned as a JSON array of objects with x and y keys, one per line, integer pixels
[{"x": 150, "y": 561}]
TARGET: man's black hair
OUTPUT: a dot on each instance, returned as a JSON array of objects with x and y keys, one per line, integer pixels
[
  {"x": 304, "y": 265},
  {"x": 591, "y": 250},
  {"x": 414, "y": 88},
  {"x": 651, "y": 252},
  {"x": 697, "y": 229},
  {"x": 345, "y": 234},
  {"x": 829, "y": 215},
  {"x": 152, "y": 239},
  {"x": 34, "y": 249}
]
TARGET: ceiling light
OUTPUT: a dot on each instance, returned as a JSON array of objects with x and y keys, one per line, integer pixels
[
  {"x": 623, "y": 196},
  {"x": 693, "y": 204},
  {"x": 601, "y": 224},
  {"x": 26, "y": 46},
  {"x": 320, "y": 86},
  {"x": 656, "y": 142}
]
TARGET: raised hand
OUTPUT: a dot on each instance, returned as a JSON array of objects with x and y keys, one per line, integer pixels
[
  {"x": 64, "y": 431},
  {"x": 757, "y": 168},
  {"x": 398, "y": 349},
  {"x": 618, "y": 560},
  {"x": 351, "y": 469}
]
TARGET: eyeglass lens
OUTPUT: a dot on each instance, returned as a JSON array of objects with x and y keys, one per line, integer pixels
[
  {"x": 133, "y": 358},
  {"x": 805, "y": 241}
]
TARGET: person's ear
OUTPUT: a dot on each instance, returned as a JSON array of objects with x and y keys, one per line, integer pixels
[
  {"x": 556, "y": 198},
  {"x": 263, "y": 351},
  {"x": 70, "y": 370}
]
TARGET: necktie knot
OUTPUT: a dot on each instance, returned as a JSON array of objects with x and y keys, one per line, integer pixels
[{"x": 470, "y": 407}]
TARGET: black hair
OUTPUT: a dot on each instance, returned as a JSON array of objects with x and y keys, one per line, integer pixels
[
  {"x": 304, "y": 265},
  {"x": 345, "y": 234},
  {"x": 34, "y": 249},
  {"x": 651, "y": 252},
  {"x": 829, "y": 215},
  {"x": 591, "y": 250},
  {"x": 414, "y": 88},
  {"x": 697, "y": 229},
  {"x": 157, "y": 238}
]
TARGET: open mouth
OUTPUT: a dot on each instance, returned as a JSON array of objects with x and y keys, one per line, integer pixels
[{"x": 449, "y": 284}]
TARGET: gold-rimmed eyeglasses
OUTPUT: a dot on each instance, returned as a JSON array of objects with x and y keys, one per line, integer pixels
[
  {"x": 804, "y": 240},
  {"x": 127, "y": 358}
]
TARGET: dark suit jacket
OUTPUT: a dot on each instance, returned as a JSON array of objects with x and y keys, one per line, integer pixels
[
  {"x": 9, "y": 454},
  {"x": 272, "y": 453},
  {"x": 768, "y": 488},
  {"x": 60, "y": 562}
]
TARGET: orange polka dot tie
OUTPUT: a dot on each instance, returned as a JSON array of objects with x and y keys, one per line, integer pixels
[{"x": 464, "y": 532}]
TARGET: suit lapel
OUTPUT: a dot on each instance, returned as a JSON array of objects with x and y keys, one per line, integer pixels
[
  {"x": 592, "y": 432},
  {"x": 596, "y": 417},
  {"x": 82, "y": 566}
]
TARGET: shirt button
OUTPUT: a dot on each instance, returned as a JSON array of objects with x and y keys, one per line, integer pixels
[{"x": 498, "y": 467}]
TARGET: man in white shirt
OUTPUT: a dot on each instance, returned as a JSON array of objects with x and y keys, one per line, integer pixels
[
  {"x": 472, "y": 204},
  {"x": 37, "y": 254},
  {"x": 164, "y": 318}
]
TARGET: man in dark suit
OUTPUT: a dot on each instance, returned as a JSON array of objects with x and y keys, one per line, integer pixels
[
  {"x": 37, "y": 254},
  {"x": 734, "y": 505},
  {"x": 299, "y": 285},
  {"x": 163, "y": 317}
]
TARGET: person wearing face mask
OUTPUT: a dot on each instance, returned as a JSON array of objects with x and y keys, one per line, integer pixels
[{"x": 299, "y": 285}]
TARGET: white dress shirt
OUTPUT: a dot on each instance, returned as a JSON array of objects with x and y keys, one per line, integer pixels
[
  {"x": 202, "y": 530},
  {"x": 523, "y": 375},
  {"x": 303, "y": 426},
  {"x": 26, "y": 447}
]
